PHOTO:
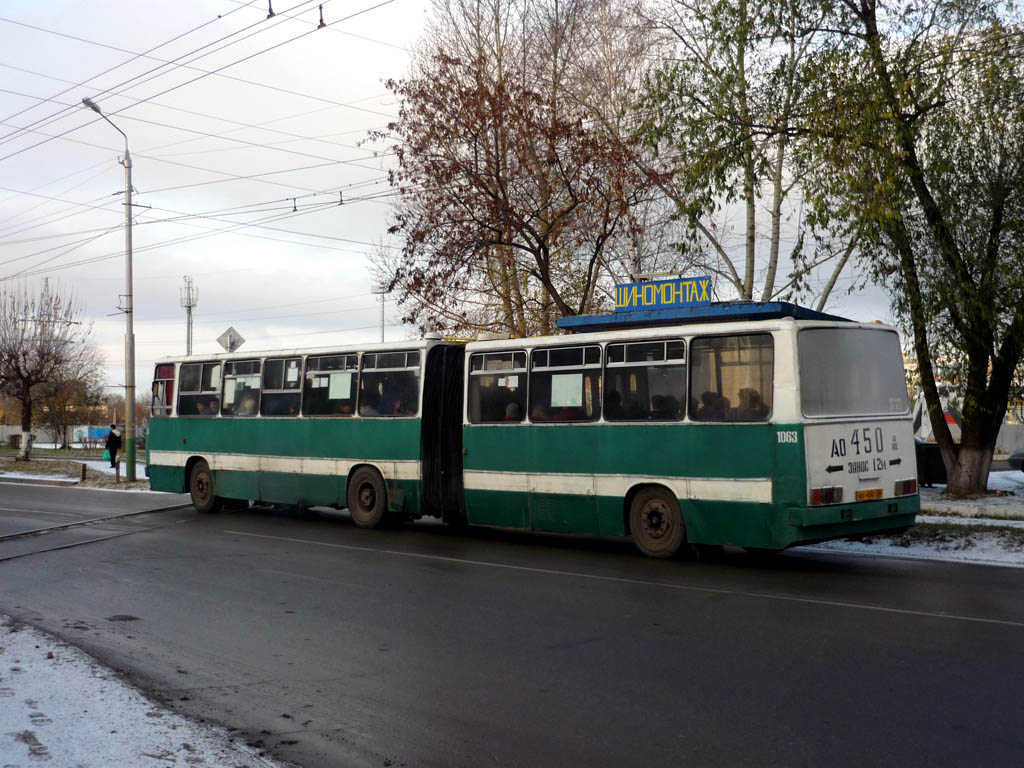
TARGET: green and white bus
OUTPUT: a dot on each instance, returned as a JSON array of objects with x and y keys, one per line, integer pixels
[{"x": 758, "y": 425}]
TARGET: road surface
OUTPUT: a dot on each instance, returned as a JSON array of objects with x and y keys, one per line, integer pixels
[{"x": 336, "y": 646}]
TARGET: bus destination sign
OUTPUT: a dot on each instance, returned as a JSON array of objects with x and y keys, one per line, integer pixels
[{"x": 659, "y": 294}]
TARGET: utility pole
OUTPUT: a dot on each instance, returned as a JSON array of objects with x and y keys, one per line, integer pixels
[
  {"x": 129, "y": 311},
  {"x": 189, "y": 299}
]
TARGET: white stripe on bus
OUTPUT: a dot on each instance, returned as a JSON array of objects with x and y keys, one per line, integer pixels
[
  {"x": 291, "y": 465},
  {"x": 758, "y": 490}
]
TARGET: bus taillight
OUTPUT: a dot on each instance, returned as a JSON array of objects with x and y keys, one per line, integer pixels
[
  {"x": 906, "y": 487},
  {"x": 832, "y": 494}
]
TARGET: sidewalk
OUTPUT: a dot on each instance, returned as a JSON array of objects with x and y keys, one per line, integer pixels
[{"x": 59, "y": 707}]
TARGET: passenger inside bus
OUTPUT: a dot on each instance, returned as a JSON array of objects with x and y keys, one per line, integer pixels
[
  {"x": 752, "y": 407},
  {"x": 713, "y": 407},
  {"x": 664, "y": 407},
  {"x": 613, "y": 406}
]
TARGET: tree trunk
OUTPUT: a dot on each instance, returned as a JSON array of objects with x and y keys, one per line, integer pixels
[
  {"x": 969, "y": 473},
  {"x": 26, "y": 429}
]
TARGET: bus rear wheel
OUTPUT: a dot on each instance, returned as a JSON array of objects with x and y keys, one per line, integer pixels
[
  {"x": 656, "y": 522},
  {"x": 367, "y": 498},
  {"x": 200, "y": 486}
]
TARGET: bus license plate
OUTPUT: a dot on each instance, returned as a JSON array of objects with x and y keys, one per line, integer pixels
[{"x": 869, "y": 494}]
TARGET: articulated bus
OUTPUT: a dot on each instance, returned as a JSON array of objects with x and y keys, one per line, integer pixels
[{"x": 758, "y": 425}]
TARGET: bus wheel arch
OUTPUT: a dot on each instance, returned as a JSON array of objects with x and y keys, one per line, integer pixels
[
  {"x": 199, "y": 478},
  {"x": 655, "y": 520},
  {"x": 367, "y": 496}
]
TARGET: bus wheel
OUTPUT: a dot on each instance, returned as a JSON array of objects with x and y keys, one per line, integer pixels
[
  {"x": 367, "y": 498},
  {"x": 200, "y": 486},
  {"x": 656, "y": 522}
]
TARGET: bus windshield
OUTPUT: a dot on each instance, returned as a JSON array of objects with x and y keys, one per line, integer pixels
[{"x": 851, "y": 372}]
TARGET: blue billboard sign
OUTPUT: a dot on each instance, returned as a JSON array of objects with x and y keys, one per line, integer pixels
[{"x": 659, "y": 294}]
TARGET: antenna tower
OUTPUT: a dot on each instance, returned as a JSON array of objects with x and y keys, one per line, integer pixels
[
  {"x": 380, "y": 291},
  {"x": 189, "y": 299}
]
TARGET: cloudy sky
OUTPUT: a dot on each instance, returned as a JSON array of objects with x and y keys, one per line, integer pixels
[{"x": 245, "y": 133}]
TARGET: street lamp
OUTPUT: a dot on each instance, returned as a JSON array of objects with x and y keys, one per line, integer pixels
[{"x": 129, "y": 333}]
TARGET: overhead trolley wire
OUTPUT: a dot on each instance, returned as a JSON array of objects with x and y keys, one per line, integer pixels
[
  {"x": 207, "y": 74},
  {"x": 125, "y": 83},
  {"x": 204, "y": 74},
  {"x": 134, "y": 57},
  {"x": 120, "y": 253},
  {"x": 238, "y": 210},
  {"x": 339, "y": 31},
  {"x": 240, "y": 125}
]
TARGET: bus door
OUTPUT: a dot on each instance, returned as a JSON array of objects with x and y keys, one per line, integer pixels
[{"x": 441, "y": 434}]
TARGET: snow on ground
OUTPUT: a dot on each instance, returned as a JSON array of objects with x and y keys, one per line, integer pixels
[
  {"x": 979, "y": 548},
  {"x": 100, "y": 465},
  {"x": 1010, "y": 505},
  {"x": 60, "y": 707}
]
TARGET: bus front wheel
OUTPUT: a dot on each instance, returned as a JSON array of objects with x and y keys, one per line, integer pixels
[
  {"x": 656, "y": 522},
  {"x": 200, "y": 486},
  {"x": 367, "y": 498}
]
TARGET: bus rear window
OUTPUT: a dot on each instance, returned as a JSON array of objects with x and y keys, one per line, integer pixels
[{"x": 851, "y": 372}]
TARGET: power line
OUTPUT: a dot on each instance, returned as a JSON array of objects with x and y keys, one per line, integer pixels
[
  {"x": 343, "y": 32},
  {"x": 239, "y": 210},
  {"x": 234, "y": 312},
  {"x": 202, "y": 76},
  {"x": 61, "y": 216},
  {"x": 119, "y": 254},
  {"x": 223, "y": 135},
  {"x": 134, "y": 56},
  {"x": 242, "y": 142}
]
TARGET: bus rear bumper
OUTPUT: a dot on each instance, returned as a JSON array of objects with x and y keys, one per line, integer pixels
[
  {"x": 838, "y": 514},
  {"x": 814, "y": 524}
]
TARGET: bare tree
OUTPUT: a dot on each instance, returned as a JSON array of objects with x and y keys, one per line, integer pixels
[
  {"x": 43, "y": 344},
  {"x": 521, "y": 198}
]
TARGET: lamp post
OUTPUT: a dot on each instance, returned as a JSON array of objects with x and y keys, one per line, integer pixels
[{"x": 129, "y": 333}]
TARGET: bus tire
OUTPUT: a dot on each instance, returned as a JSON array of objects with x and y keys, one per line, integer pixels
[
  {"x": 656, "y": 522},
  {"x": 200, "y": 486},
  {"x": 367, "y": 498}
]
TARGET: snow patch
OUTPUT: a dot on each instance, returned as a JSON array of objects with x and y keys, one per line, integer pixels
[{"x": 58, "y": 706}]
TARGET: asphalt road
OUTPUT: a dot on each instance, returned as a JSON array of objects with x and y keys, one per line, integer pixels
[{"x": 336, "y": 646}]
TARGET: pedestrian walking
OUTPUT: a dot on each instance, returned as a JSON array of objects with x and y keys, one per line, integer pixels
[{"x": 113, "y": 445}]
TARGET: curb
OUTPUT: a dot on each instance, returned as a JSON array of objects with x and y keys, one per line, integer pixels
[
  {"x": 961, "y": 510},
  {"x": 34, "y": 481}
]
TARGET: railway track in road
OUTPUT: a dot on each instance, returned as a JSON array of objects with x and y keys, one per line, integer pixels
[{"x": 52, "y": 529}]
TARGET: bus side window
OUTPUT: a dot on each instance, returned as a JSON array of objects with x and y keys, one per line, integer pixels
[
  {"x": 645, "y": 380},
  {"x": 282, "y": 387},
  {"x": 731, "y": 378},
  {"x": 241, "y": 388},
  {"x": 330, "y": 385},
  {"x": 497, "y": 387},
  {"x": 389, "y": 384},
  {"x": 163, "y": 390},
  {"x": 199, "y": 389},
  {"x": 565, "y": 384}
]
